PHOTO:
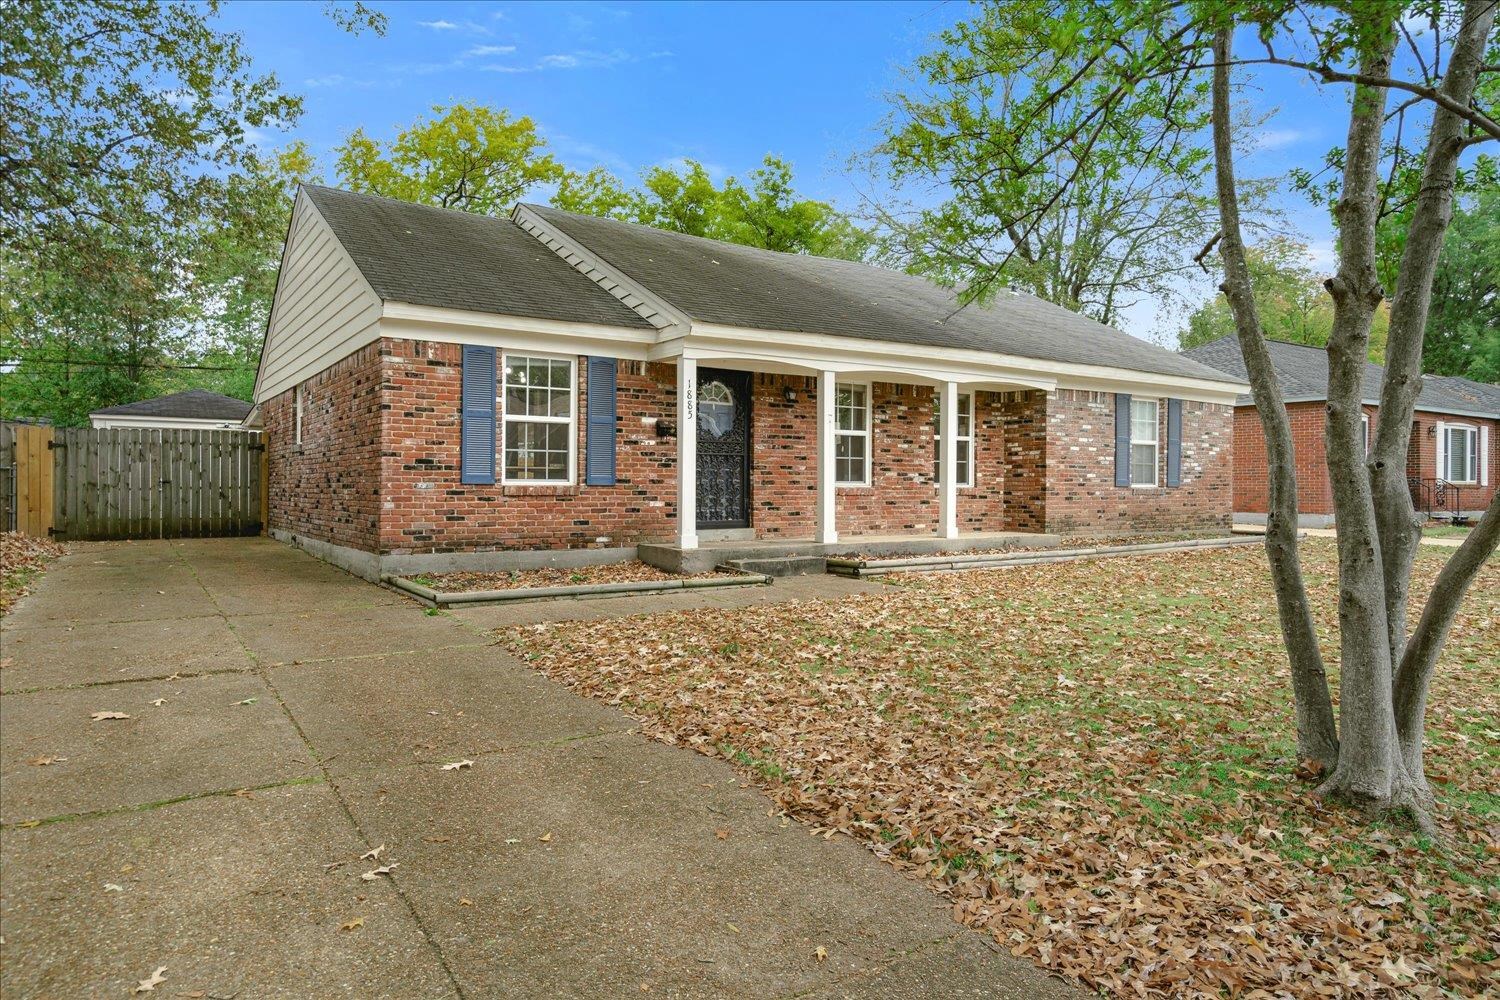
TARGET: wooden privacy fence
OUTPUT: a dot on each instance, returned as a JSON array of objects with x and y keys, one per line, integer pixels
[
  {"x": 137, "y": 483},
  {"x": 26, "y": 479}
]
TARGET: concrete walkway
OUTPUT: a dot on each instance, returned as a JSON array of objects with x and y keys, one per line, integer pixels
[
  {"x": 286, "y": 718},
  {"x": 1260, "y": 529}
]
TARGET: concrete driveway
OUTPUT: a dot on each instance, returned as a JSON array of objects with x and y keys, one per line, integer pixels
[{"x": 286, "y": 718}]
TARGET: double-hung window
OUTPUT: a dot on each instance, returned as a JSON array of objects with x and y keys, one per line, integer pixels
[
  {"x": 965, "y": 438},
  {"x": 1462, "y": 454},
  {"x": 540, "y": 435},
  {"x": 1144, "y": 441},
  {"x": 851, "y": 408}
]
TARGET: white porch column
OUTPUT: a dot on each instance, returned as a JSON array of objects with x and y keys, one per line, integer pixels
[
  {"x": 948, "y": 471},
  {"x": 687, "y": 453},
  {"x": 827, "y": 468}
]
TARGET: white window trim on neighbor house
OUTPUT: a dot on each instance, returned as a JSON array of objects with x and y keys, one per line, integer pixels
[
  {"x": 864, "y": 389},
  {"x": 1154, "y": 442},
  {"x": 508, "y": 419},
  {"x": 965, "y": 478},
  {"x": 1364, "y": 430},
  {"x": 1470, "y": 453}
]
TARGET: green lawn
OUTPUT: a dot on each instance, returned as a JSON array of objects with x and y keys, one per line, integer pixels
[
  {"x": 1447, "y": 531},
  {"x": 1092, "y": 761}
]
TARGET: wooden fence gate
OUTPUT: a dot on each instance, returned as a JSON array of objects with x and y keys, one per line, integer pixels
[
  {"x": 95, "y": 483},
  {"x": 26, "y": 479}
]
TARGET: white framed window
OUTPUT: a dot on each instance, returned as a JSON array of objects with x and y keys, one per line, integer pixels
[
  {"x": 540, "y": 420},
  {"x": 1461, "y": 453},
  {"x": 1364, "y": 431},
  {"x": 851, "y": 454},
  {"x": 965, "y": 438},
  {"x": 1145, "y": 441},
  {"x": 297, "y": 394}
]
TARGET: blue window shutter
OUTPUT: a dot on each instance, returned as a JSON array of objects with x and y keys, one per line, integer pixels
[
  {"x": 477, "y": 430},
  {"x": 1174, "y": 442},
  {"x": 599, "y": 446},
  {"x": 1122, "y": 439}
]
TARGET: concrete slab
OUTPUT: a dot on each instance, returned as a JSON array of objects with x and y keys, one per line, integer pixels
[
  {"x": 115, "y": 597},
  {"x": 633, "y": 886},
  {"x": 432, "y": 708},
  {"x": 200, "y": 740},
  {"x": 964, "y": 966},
  {"x": 88, "y": 653},
  {"x": 228, "y": 893},
  {"x": 354, "y": 631}
]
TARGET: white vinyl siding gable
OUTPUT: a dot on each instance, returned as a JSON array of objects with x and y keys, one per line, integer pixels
[{"x": 324, "y": 310}]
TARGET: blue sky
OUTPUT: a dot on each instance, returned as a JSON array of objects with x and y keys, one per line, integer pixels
[{"x": 628, "y": 86}]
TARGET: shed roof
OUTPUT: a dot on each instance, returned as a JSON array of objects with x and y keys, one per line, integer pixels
[{"x": 192, "y": 404}]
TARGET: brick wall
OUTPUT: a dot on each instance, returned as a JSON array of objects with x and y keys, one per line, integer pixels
[
  {"x": 1081, "y": 493},
  {"x": 379, "y": 467},
  {"x": 1421, "y": 457},
  {"x": 328, "y": 487},
  {"x": 1314, "y": 494},
  {"x": 426, "y": 509}
]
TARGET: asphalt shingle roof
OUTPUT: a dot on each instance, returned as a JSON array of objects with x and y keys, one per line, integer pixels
[
  {"x": 429, "y": 256},
  {"x": 741, "y": 286},
  {"x": 198, "y": 404},
  {"x": 1303, "y": 374}
]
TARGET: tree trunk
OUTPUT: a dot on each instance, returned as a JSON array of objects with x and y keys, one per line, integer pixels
[
  {"x": 1398, "y": 524},
  {"x": 1420, "y": 659},
  {"x": 1317, "y": 739},
  {"x": 1370, "y": 772}
]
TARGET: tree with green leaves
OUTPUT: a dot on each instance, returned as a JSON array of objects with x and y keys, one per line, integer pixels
[
  {"x": 1108, "y": 215},
  {"x": 764, "y": 211},
  {"x": 469, "y": 157},
  {"x": 1463, "y": 325},
  {"x": 139, "y": 217},
  {"x": 1293, "y": 304},
  {"x": 1097, "y": 73}
]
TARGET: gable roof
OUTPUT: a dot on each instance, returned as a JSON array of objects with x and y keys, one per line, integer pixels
[
  {"x": 429, "y": 256},
  {"x": 193, "y": 404},
  {"x": 1303, "y": 374},
  {"x": 738, "y": 286}
]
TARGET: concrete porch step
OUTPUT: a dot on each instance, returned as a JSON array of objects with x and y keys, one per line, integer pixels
[{"x": 789, "y": 565}]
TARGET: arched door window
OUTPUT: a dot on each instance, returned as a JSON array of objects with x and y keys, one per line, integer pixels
[{"x": 716, "y": 409}]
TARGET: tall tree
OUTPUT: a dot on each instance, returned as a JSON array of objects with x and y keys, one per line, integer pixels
[
  {"x": 1290, "y": 297},
  {"x": 1372, "y": 753},
  {"x": 763, "y": 211},
  {"x": 1099, "y": 218},
  {"x": 469, "y": 157},
  {"x": 1463, "y": 326}
]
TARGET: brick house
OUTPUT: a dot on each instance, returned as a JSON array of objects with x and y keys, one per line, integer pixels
[
  {"x": 1453, "y": 435},
  {"x": 445, "y": 389}
]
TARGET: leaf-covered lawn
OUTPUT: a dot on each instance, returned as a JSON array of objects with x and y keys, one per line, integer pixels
[
  {"x": 22, "y": 560},
  {"x": 1094, "y": 762}
]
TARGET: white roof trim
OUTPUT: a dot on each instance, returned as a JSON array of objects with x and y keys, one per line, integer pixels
[{"x": 1477, "y": 414}]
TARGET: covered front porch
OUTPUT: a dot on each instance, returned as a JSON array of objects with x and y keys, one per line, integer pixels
[{"x": 797, "y": 450}]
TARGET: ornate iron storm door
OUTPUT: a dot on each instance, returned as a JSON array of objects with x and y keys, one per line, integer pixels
[{"x": 723, "y": 449}]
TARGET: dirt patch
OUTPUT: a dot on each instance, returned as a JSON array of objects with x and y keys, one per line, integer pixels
[
  {"x": 626, "y": 572},
  {"x": 22, "y": 559}
]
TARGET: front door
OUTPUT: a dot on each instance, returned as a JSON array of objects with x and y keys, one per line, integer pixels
[{"x": 723, "y": 449}]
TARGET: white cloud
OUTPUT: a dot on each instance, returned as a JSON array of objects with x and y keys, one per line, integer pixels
[
  {"x": 490, "y": 50},
  {"x": 1279, "y": 138},
  {"x": 584, "y": 59},
  {"x": 559, "y": 62},
  {"x": 502, "y": 68},
  {"x": 336, "y": 80},
  {"x": 439, "y": 25}
]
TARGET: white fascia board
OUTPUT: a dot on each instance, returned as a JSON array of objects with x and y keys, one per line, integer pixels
[
  {"x": 645, "y": 303},
  {"x": 119, "y": 421},
  {"x": 459, "y": 326},
  {"x": 947, "y": 363},
  {"x": 1419, "y": 408}
]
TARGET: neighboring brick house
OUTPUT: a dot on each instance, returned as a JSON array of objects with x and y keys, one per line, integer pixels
[
  {"x": 502, "y": 392},
  {"x": 1452, "y": 450}
]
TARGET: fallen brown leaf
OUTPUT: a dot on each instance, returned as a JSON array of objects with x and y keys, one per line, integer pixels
[
  {"x": 350, "y": 925},
  {"x": 156, "y": 979},
  {"x": 374, "y": 874},
  {"x": 104, "y": 716}
]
